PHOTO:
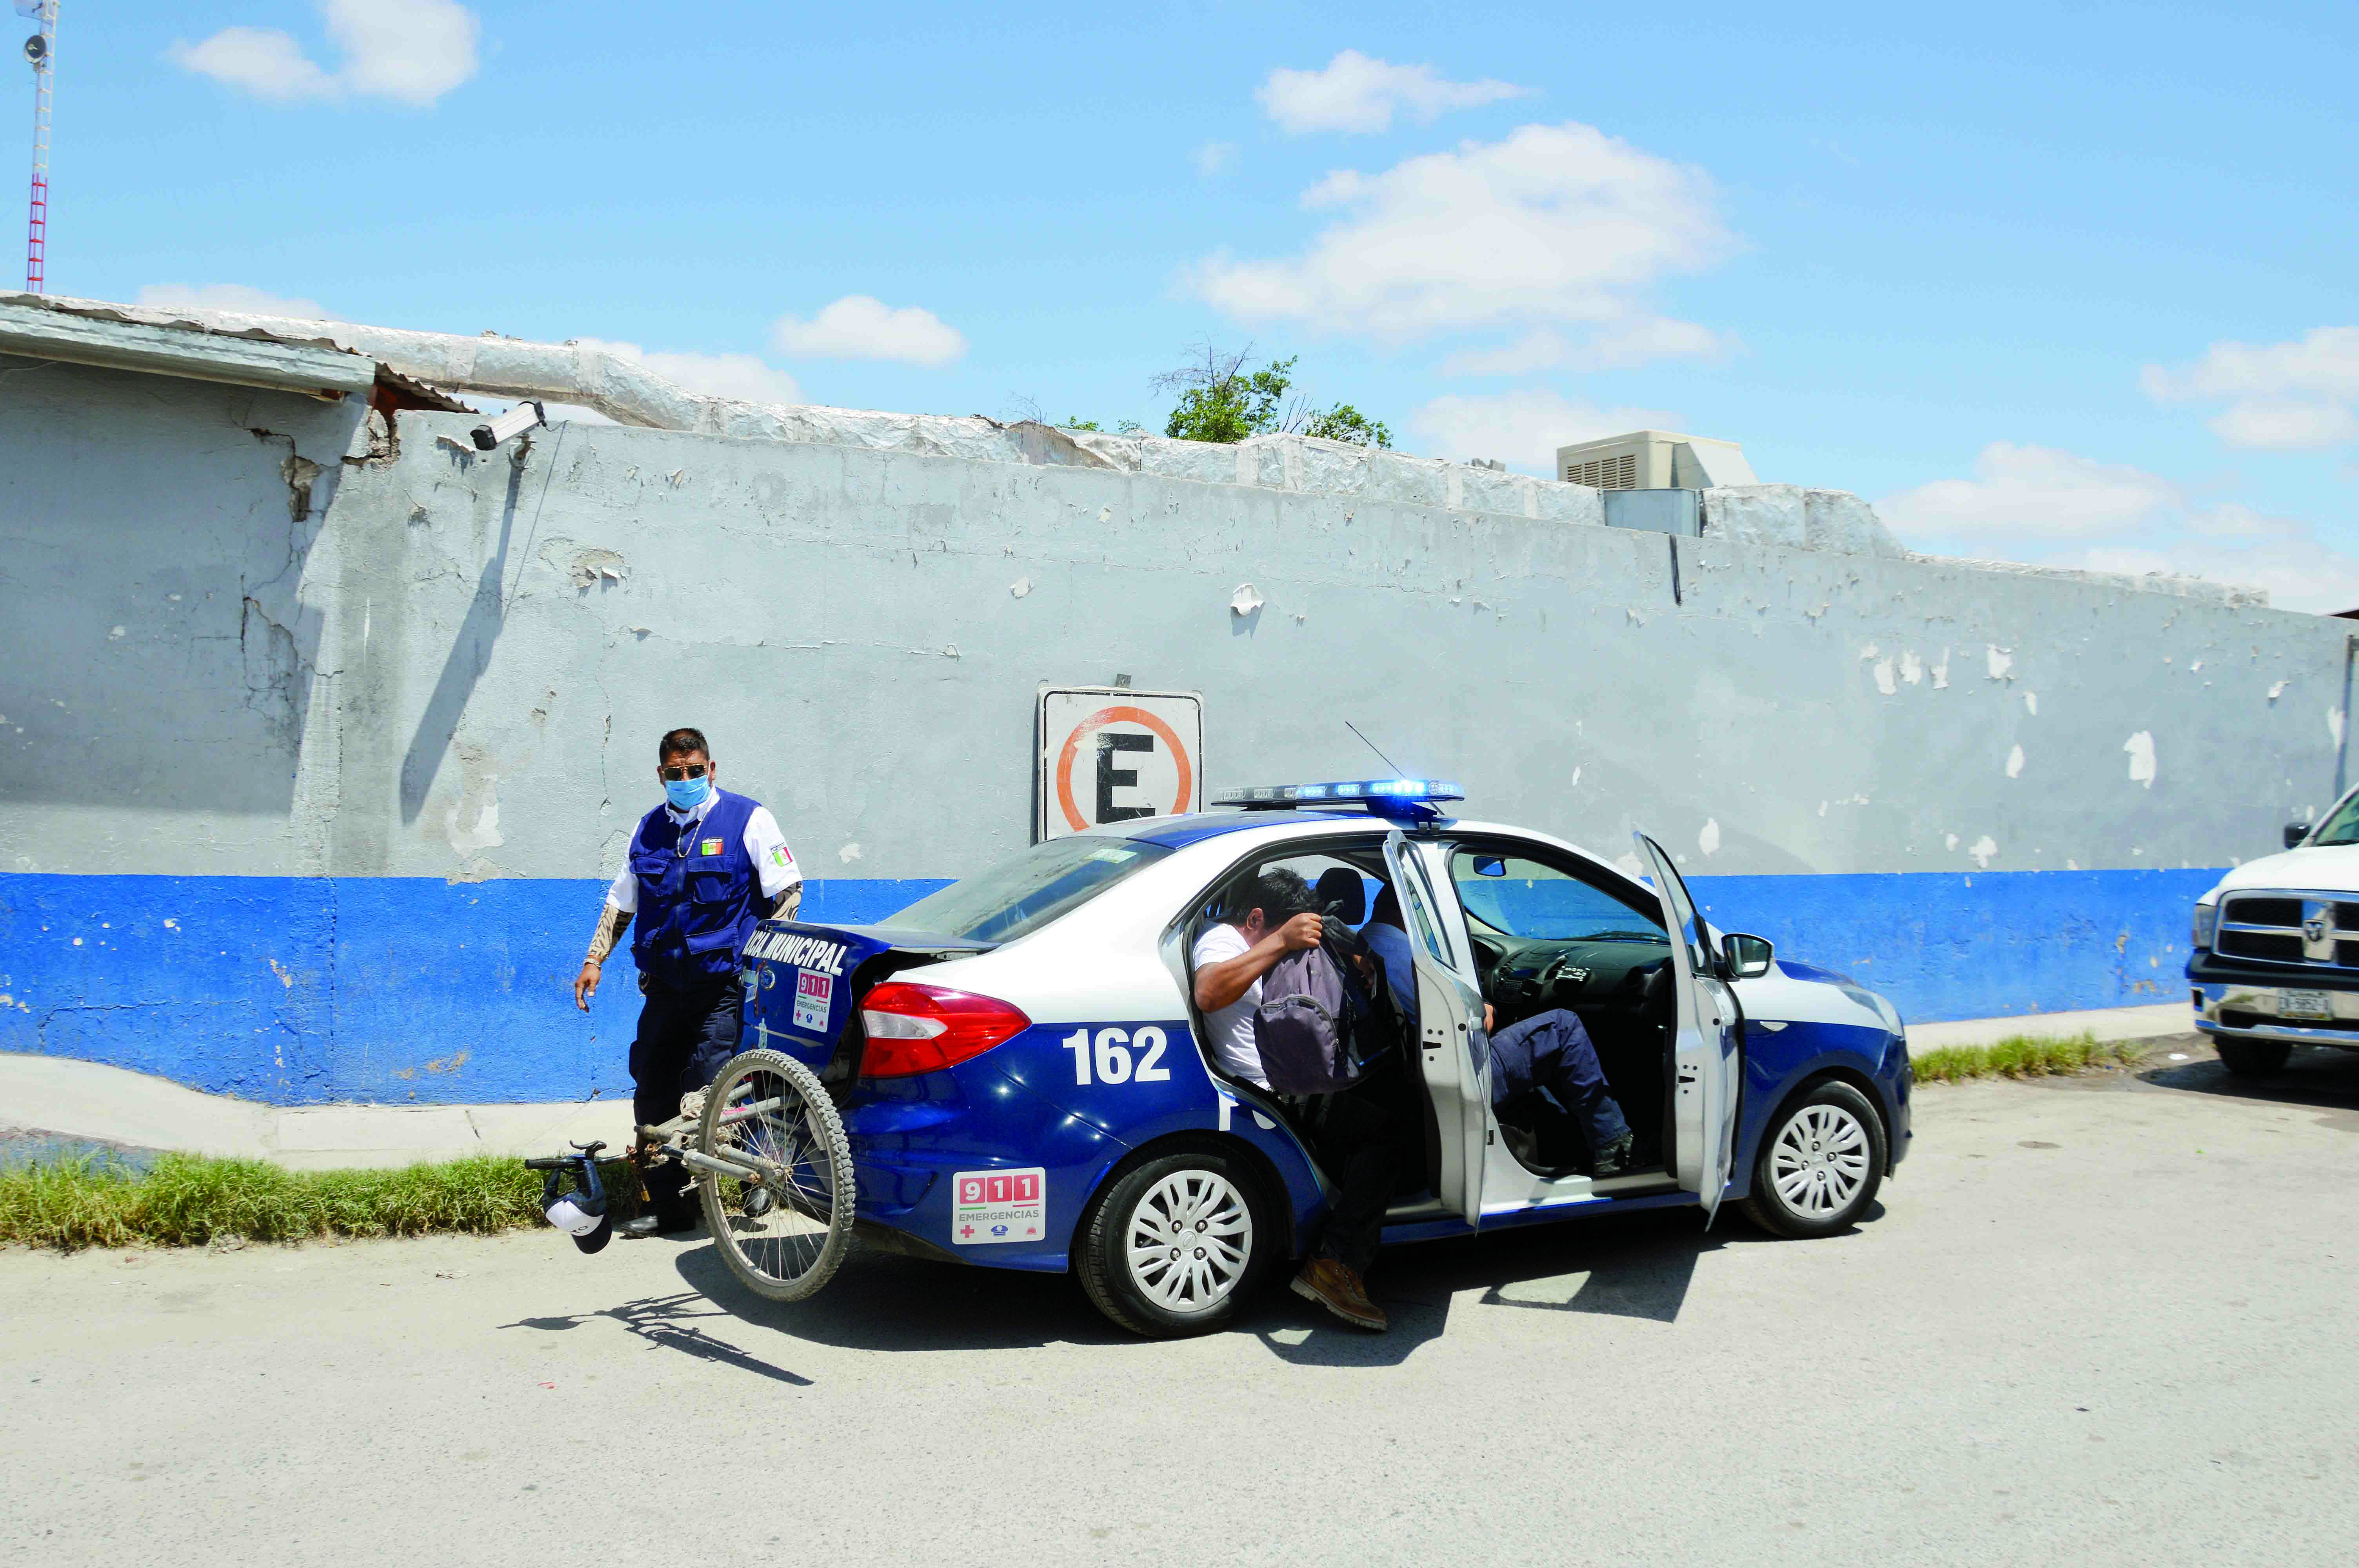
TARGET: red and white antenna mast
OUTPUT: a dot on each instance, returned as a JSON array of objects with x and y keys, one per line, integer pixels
[{"x": 41, "y": 48}]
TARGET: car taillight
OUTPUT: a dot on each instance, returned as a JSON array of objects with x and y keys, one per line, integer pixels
[{"x": 916, "y": 1029}]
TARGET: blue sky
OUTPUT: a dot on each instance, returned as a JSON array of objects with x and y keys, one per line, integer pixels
[{"x": 2070, "y": 284}]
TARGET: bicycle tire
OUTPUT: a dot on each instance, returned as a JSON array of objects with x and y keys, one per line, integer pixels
[{"x": 805, "y": 1136}]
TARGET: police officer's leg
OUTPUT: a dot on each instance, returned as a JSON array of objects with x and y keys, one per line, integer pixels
[
  {"x": 659, "y": 1054},
  {"x": 718, "y": 1022},
  {"x": 1564, "y": 1062}
]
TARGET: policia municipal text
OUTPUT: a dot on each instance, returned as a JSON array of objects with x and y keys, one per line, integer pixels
[{"x": 705, "y": 868}]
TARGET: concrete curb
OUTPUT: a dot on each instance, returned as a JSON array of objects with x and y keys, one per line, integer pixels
[
  {"x": 2107, "y": 1024},
  {"x": 84, "y": 1100},
  {"x": 72, "y": 1100}
]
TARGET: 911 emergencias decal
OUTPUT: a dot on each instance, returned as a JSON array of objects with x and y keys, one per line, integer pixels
[
  {"x": 988, "y": 1206},
  {"x": 813, "y": 994}
]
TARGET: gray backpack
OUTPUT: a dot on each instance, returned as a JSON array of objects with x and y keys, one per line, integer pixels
[{"x": 1304, "y": 1025}]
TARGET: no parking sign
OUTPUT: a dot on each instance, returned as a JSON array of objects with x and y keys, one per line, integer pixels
[{"x": 1108, "y": 754}]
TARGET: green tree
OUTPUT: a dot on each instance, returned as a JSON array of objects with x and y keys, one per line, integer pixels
[{"x": 1220, "y": 399}]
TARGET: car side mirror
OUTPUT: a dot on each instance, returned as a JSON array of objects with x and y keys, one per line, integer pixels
[
  {"x": 1748, "y": 957},
  {"x": 2295, "y": 832}
]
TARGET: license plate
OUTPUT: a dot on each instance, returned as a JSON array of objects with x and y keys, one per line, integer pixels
[{"x": 2304, "y": 1004}]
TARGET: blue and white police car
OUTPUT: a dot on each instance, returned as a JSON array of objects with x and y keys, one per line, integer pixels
[{"x": 1023, "y": 1082}]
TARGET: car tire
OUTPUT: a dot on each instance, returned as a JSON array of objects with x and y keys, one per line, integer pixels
[
  {"x": 1822, "y": 1160},
  {"x": 1205, "y": 1235},
  {"x": 2254, "y": 1058}
]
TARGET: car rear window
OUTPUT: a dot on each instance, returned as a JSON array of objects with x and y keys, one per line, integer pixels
[{"x": 1023, "y": 894}]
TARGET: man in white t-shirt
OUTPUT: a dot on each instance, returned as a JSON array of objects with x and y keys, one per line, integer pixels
[
  {"x": 1231, "y": 956},
  {"x": 1270, "y": 916}
]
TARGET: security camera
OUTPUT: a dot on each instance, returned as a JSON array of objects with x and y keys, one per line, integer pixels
[{"x": 515, "y": 422}]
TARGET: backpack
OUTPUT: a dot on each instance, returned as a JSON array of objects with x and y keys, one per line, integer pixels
[{"x": 1311, "y": 1027}]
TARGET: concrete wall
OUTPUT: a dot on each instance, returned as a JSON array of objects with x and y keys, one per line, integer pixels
[{"x": 373, "y": 778}]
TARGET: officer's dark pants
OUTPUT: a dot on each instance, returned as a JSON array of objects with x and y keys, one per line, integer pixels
[
  {"x": 1365, "y": 1137},
  {"x": 1551, "y": 1051},
  {"x": 685, "y": 1038}
]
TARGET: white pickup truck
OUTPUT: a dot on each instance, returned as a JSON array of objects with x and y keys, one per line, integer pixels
[{"x": 2276, "y": 949}]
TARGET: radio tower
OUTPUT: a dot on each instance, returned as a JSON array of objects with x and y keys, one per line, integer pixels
[{"x": 42, "y": 49}]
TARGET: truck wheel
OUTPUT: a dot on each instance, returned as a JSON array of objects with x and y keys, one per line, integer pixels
[
  {"x": 2253, "y": 1058},
  {"x": 1821, "y": 1163},
  {"x": 1170, "y": 1246}
]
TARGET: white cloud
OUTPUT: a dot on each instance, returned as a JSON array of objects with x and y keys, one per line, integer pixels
[
  {"x": 1215, "y": 159},
  {"x": 1523, "y": 428},
  {"x": 2047, "y": 507},
  {"x": 2303, "y": 393},
  {"x": 741, "y": 376},
  {"x": 263, "y": 62},
  {"x": 232, "y": 297},
  {"x": 409, "y": 51},
  {"x": 858, "y": 327},
  {"x": 1555, "y": 227},
  {"x": 2028, "y": 493},
  {"x": 1354, "y": 92}
]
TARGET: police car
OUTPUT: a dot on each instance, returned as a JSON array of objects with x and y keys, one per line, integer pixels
[{"x": 1019, "y": 1064}]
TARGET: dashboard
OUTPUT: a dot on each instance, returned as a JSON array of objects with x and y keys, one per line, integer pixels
[{"x": 1611, "y": 973}]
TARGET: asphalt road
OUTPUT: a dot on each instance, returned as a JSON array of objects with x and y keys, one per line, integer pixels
[{"x": 2096, "y": 1320}]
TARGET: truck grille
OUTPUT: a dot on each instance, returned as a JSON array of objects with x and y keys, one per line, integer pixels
[{"x": 2311, "y": 929}]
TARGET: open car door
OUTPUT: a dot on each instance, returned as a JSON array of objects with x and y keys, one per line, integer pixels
[
  {"x": 1453, "y": 1053},
  {"x": 1704, "y": 1054}
]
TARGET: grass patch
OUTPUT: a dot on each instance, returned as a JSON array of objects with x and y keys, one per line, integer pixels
[
  {"x": 186, "y": 1200},
  {"x": 2024, "y": 1056}
]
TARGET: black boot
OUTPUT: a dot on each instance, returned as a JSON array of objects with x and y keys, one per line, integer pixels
[
  {"x": 656, "y": 1224},
  {"x": 1618, "y": 1158}
]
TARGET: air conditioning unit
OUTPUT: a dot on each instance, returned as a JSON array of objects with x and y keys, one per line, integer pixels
[{"x": 1654, "y": 459}]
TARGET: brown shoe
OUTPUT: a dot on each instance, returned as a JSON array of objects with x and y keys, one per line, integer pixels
[{"x": 1332, "y": 1283}]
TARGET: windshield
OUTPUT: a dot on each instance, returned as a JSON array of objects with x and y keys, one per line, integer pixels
[
  {"x": 1524, "y": 898},
  {"x": 2342, "y": 827},
  {"x": 1023, "y": 894}
]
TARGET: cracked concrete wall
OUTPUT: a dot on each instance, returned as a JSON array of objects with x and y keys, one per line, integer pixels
[
  {"x": 318, "y": 743},
  {"x": 157, "y": 645},
  {"x": 842, "y": 623}
]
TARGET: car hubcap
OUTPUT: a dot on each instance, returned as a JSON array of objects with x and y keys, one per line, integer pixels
[
  {"x": 1819, "y": 1161},
  {"x": 1190, "y": 1238}
]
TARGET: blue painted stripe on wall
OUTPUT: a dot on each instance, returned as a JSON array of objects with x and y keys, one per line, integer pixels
[{"x": 305, "y": 991}]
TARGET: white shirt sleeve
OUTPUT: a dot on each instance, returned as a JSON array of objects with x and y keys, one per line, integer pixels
[
  {"x": 766, "y": 848},
  {"x": 625, "y": 895}
]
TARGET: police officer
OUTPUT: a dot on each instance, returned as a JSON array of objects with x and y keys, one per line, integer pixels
[{"x": 705, "y": 868}]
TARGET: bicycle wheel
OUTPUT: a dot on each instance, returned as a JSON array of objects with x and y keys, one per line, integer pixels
[{"x": 791, "y": 1225}]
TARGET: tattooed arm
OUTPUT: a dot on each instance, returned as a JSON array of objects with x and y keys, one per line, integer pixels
[{"x": 612, "y": 924}]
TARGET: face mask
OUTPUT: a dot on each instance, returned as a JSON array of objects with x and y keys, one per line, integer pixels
[{"x": 686, "y": 794}]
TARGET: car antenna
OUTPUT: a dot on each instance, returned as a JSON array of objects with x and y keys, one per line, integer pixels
[{"x": 1371, "y": 745}]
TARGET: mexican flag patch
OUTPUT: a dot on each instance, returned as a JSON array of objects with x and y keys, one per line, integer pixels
[{"x": 710, "y": 846}]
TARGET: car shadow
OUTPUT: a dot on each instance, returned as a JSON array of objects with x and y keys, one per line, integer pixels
[
  {"x": 668, "y": 1321},
  {"x": 878, "y": 1301},
  {"x": 2314, "y": 1077},
  {"x": 1629, "y": 1266}
]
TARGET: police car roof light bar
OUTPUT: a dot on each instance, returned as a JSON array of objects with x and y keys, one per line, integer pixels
[{"x": 1407, "y": 800}]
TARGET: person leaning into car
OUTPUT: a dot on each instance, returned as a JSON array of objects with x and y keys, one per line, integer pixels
[
  {"x": 1358, "y": 1137},
  {"x": 705, "y": 868}
]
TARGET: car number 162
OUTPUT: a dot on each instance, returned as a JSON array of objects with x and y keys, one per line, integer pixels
[{"x": 1109, "y": 1057}]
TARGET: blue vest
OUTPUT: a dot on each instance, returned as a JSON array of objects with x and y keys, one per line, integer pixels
[{"x": 696, "y": 898}]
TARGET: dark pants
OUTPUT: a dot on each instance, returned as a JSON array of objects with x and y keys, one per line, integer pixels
[
  {"x": 685, "y": 1038},
  {"x": 1365, "y": 1137},
  {"x": 1551, "y": 1051}
]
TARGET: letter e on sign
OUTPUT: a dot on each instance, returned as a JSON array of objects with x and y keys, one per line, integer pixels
[{"x": 1110, "y": 755}]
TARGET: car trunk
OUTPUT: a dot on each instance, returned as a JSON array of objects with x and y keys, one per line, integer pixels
[{"x": 803, "y": 986}]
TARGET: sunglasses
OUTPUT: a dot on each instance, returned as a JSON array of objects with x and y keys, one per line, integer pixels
[{"x": 678, "y": 771}]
